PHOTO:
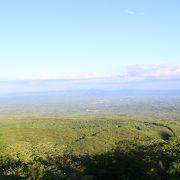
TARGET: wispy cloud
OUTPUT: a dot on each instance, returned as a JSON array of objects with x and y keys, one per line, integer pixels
[
  {"x": 132, "y": 12},
  {"x": 128, "y": 11},
  {"x": 130, "y": 72},
  {"x": 61, "y": 76},
  {"x": 151, "y": 76},
  {"x": 144, "y": 76},
  {"x": 162, "y": 71}
]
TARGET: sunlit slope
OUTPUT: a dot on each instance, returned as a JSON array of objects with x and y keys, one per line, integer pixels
[{"x": 95, "y": 133}]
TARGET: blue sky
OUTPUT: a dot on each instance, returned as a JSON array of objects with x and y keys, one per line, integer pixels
[{"x": 45, "y": 39}]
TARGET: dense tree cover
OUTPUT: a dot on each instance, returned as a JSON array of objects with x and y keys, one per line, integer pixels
[
  {"x": 153, "y": 159},
  {"x": 94, "y": 138}
]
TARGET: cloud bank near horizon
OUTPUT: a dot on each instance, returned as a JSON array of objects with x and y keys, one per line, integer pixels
[
  {"x": 153, "y": 70},
  {"x": 146, "y": 77}
]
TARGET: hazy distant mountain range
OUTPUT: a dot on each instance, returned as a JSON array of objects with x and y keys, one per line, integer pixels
[
  {"x": 97, "y": 84},
  {"x": 141, "y": 77}
]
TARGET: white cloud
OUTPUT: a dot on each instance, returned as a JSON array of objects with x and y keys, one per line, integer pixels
[
  {"x": 61, "y": 76},
  {"x": 131, "y": 12},
  {"x": 162, "y": 71},
  {"x": 128, "y": 11},
  {"x": 130, "y": 73},
  {"x": 144, "y": 76}
]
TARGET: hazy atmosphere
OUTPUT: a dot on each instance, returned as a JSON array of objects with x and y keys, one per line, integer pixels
[
  {"x": 90, "y": 89},
  {"x": 89, "y": 45}
]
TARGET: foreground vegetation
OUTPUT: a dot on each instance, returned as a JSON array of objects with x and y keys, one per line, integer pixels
[
  {"x": 91, "y": 141},
  {"x": 152, "y": 160},
  {"x": 89, "y": 147}
]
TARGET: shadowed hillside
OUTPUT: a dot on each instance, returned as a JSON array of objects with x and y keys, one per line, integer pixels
[{"x": 129, "y": 160}]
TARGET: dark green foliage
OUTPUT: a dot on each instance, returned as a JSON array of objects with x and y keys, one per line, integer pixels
[{"x": 129, "y": 160}]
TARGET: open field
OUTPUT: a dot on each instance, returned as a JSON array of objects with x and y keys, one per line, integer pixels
[{"x": 90, "y": 135}]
